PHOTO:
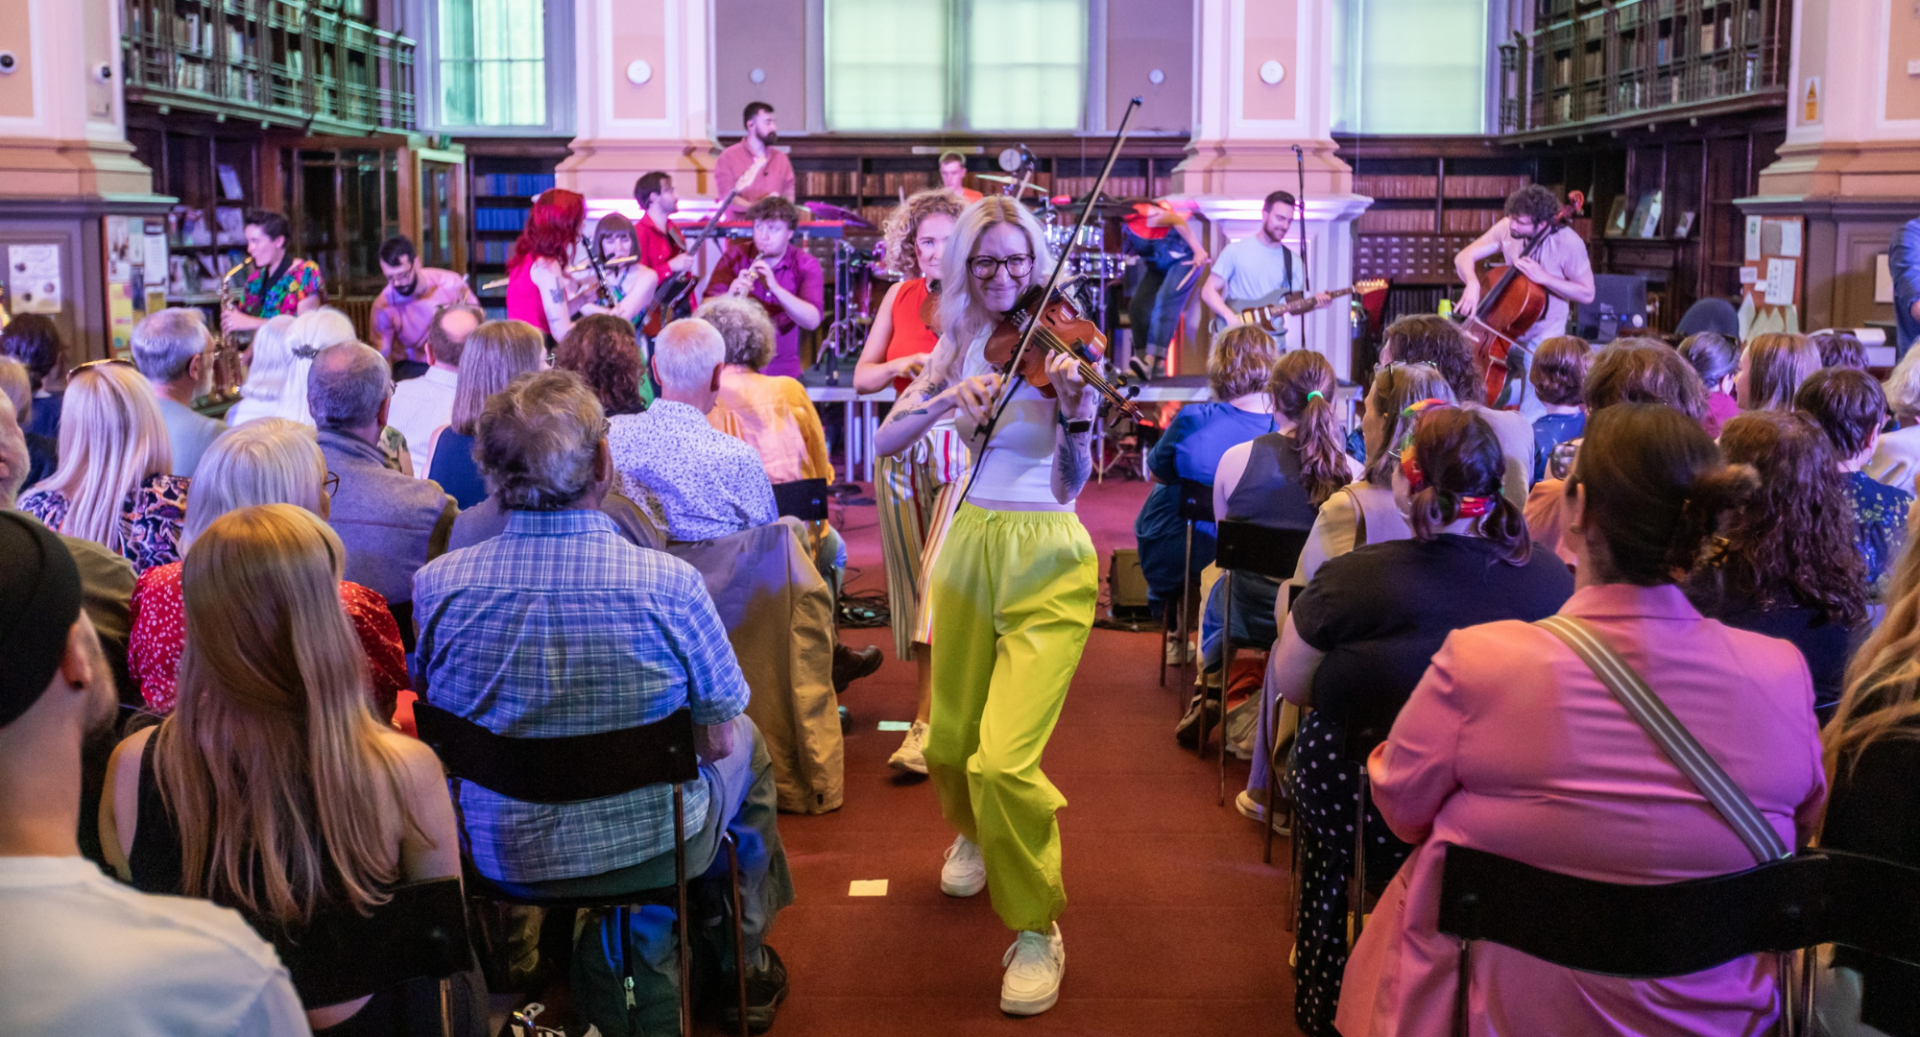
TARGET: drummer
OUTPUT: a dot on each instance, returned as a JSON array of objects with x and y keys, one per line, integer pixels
[
  {"x": 953, "y": 176},
  {"x": 786, "y": 280}
]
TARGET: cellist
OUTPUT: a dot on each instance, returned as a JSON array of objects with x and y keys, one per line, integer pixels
[{"x": 1559, "y": 264}]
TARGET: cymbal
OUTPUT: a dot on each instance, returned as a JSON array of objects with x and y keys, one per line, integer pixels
[
  {"x": 830, "y": 211},
  {"x": 998, "y": 179}
]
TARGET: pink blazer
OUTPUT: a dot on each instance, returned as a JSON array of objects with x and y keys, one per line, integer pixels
[{"x": 1510, "y": 744}]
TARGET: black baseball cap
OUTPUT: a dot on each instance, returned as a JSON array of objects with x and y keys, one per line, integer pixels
[{"x": 39, "y": 603}]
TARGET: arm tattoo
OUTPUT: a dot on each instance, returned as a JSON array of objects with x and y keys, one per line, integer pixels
[
  {"x": 1073, "y": 462},
  {"x": 918, "y": 394}
]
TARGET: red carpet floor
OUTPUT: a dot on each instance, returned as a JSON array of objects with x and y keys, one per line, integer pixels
[{"x": 1174, "y": 925}]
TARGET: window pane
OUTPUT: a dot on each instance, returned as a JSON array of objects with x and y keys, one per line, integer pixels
[
  {"x": 1026, "y": 64},
  {"x": 886, "y": 64},
  {"x": 1410, "y": 66},
  {"x": 492, "y": 63}
]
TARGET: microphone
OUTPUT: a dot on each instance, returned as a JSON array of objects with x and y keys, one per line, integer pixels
[{"x": 1296, "y": 152}]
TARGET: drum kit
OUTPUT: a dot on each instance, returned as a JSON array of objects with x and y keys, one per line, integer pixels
[{"x": 855, "y": 269}]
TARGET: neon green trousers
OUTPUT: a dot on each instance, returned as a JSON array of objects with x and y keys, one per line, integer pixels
[{"x": 1013, "y": 596}]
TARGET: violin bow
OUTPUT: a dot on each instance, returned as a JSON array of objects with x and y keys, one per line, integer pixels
[{"x": 1046, "y": 296}]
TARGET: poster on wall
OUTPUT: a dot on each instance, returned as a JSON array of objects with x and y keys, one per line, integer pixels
[
  {"x": 33, "y": 272},
  {"x": 1770, "y": 277},
  {"x": 117, "y": 233}
]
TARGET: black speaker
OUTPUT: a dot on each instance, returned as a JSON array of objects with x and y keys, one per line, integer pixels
[{"x": 1618, "y": 309}]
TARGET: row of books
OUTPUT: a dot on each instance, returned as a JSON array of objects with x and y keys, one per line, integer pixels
[
  {"x": 499, "y": 219},
  {"x": 1395, "y": 221},
  {"x": 494, "y": 253},
  {"x": 1482, "y": 186},
  {"x": 1117, "y": 186},
  {"x": 511, "y": 185},
  {"x": 1384, "y": 186}
]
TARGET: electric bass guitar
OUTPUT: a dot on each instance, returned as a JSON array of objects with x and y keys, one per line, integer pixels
[
  {"x": 673, "y": 300},
  {"x": 1269, "y": 309}
]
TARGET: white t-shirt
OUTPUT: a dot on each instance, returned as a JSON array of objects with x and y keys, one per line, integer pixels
[
  {"x": 84, "y": 954},
  {"x": 420, "y": 406}
]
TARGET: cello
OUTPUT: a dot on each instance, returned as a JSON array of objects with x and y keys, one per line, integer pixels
[{"x": 1510, "y": 304}]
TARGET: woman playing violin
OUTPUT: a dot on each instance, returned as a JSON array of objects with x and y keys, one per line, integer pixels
[
  {"x": 1013, "y": 590},
  {"x": 910, "y": 486},
  {"x": 1558, "y": 263}
]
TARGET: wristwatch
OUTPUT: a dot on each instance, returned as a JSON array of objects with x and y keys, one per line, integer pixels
[{"x": 1076, "y": 426}]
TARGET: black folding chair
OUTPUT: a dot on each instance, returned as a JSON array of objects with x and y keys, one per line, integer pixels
[
  {"x": 419, "y": 934},
  {"x": 1246, "y": 547},
  {"x": 581, "y": 767},
  {"x": 1196, "y": 505},
  {"x": 804, "y": 499},
  {"x": 1365, "y": 729},
  {"x": 1677, "y": 928}
]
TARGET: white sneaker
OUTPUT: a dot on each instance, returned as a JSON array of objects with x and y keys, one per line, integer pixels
[
  {"x": 911, "y": 757},
  {"x": 965, "y": 873},
  {"x": 1179, "y": 652},
  {"x": 1254, "y": 810},
  {"x": 1036, "y": 963}
]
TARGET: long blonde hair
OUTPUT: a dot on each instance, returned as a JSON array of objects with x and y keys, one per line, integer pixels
[
  {"x": 264, "y": 461},
  {"x": 272, "y": 766},
  {"x": 1882, "y": 699},
  {"x": 270, "y": 361},
  {"x": 963, "y": 315},
  {"x": 111, "y": 439},
  {"x": 497, "y": 352}
]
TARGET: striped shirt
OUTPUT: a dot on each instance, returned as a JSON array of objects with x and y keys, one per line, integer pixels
[{"x": 557, "y": 627}]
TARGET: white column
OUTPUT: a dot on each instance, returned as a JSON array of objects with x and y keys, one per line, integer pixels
[
  {"x": 1264, "y": 86},
  {"x": 644, "y": 97},
  {"x": 62, "y": 113}
]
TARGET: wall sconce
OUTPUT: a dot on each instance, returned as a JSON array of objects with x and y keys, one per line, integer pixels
[
  {"x": 1272, "y": 72},
  {"x": 639, "y": 72}
]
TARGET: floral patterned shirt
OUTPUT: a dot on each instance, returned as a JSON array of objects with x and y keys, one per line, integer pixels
[
  {"x": 283, "y": 296},
  {"x": 150, "y": 518},
  {"x": 1879, "y": 524}
]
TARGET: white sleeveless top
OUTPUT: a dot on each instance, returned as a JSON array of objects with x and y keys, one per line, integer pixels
[{"x": 1017, "y": 466}]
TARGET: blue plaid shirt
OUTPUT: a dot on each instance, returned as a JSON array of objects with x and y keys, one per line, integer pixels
[{"x": 559, "y": 626}]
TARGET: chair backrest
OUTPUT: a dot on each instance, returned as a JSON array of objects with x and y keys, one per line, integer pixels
[
  {"x": 1871, "y": 905},
  {"x": 419, "y": 934},
  {"x": 566, "y": 769},
  {"x": 1196, "y": 501},
  {"x": 1249, "y": 547},
  {"x": 804, "y": 499},
  {"x": 1635, "y": 931}
]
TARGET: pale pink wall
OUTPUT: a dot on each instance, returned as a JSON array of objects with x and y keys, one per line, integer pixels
[
  {"x": 770, "y": 35},
  {"x": 1143, "y": 35},
  {"x": 16, "y": 90},
  {"x": 1272, "y": 28},
  {"x": 1903, "y": 45},
  {"x": 640, "y": 32}
]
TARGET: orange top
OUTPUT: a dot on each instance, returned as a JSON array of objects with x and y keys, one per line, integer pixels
[{"x": 911, "y": 336}]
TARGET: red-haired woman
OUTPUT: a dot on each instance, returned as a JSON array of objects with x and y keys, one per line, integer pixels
[{"x": 539, "y": 289}]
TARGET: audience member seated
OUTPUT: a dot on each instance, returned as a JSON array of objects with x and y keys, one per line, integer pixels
[
  {"x": 1785, "y": 564},
  {"x": 310, "y": 333},
  {"x": 1716, "y": 359},
  {"x": 1873, "y": 763},
  {"x": 266, "y": 392},
  {"x": 43, "y": 452},
  {"x": 272, "y": 789},
  {"x": 1771, "y": 369},
  {"x": 1190, "y": 449},
  {"x": 1839, "y": 348},
  {"x": 1561, "y": 777},
  {"x": 392, "y": 524},
  {"x": 84, "y": 954},
  {"x": 112, "y": 486},
  {"x": 604, "y": 351},
  {"x": 1849, "y": 407},
  {"x": 268, "y": 461},
  {"x": 772, "y": 414},
  {"x": 174, "y": 350},
  {"x": 703, "y": 482},
  {"x": 1897, "y": 459},
  {"x": 1438, "y": 341},
  {"x": 1358, "y": 640},
  {"x": 1627, "y": 370},
  {"x": 1558, "y": 375},
  {"x": 422, "y": 405},
  {"x": 1360, "y": 513},
  {"x": 1278, "y": 480},
  {"x": 496, "y": 353},
  {"x": 34, "y": 340},
  {"x": 558, "y": 627}
]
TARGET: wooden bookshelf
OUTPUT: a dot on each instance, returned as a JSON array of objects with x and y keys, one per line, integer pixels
[{"x": 504, "y": 176}]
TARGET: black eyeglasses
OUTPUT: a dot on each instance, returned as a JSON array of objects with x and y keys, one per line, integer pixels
[
  {"x": 331, "y": 483},
  {"x": 984, "y": 267}
]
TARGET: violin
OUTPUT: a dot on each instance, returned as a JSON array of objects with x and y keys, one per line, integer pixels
[
  {"x": 1063, "y": 331},
  {"x": 1510, "y": 305}
]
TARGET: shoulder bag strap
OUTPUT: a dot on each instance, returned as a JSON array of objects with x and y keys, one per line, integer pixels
[{"x": 1670, "y": 735}]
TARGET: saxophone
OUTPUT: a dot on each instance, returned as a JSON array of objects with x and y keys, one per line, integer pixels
[{"x": 228, "y": 371}]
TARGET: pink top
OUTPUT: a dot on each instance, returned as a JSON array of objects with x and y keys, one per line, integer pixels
[
  {"x": 776, "y": 177},
  {"x": 1721, "y": 409},
  {"x": 1511, "y": 745},
  {"x": 523, "y": 297}
]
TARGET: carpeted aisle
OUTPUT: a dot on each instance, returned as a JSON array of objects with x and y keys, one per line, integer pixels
[{"x": 1174, "y": 925}]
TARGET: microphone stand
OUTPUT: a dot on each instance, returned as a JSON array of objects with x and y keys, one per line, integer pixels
[{"x": 1300, "y": 221}]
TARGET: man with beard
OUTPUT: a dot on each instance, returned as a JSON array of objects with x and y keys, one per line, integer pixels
[
  {"x": 776, "y": 172},
  {"x": 87, "y": 954},
  {"x": 1559, "y": 264},
  {"x": 173, "y": 349},
  {"x": 403, "y": 311}
]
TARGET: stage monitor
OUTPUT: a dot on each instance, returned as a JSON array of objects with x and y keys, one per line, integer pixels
[{"x": 1618, "y": 309}]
